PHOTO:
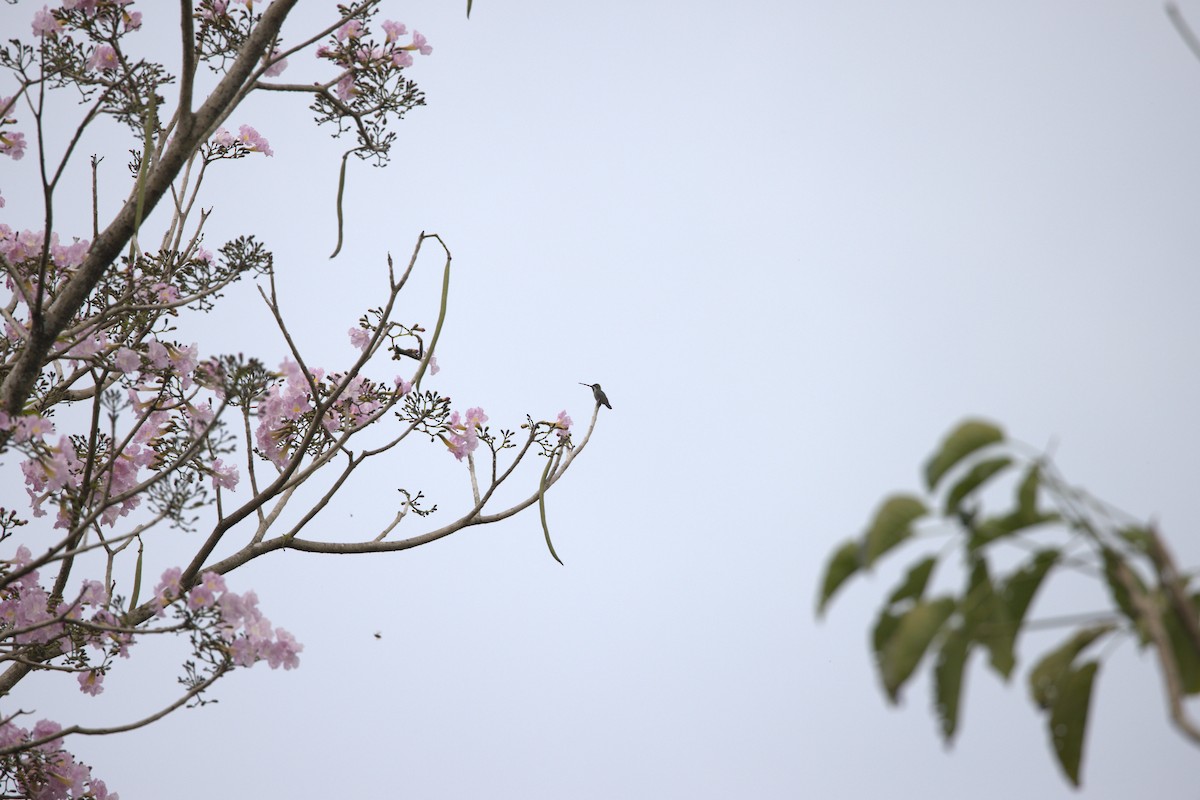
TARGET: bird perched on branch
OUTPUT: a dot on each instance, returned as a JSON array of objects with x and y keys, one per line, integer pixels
[{"x": 598, "y": 393}]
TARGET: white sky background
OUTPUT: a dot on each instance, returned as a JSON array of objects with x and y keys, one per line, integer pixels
[{"x": 796, "y": 242}]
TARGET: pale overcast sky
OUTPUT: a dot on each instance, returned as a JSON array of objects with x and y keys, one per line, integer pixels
[{"x": 796, "y": 242}]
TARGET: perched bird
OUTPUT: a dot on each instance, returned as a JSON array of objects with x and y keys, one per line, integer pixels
[{"x": 598, "y": 393}]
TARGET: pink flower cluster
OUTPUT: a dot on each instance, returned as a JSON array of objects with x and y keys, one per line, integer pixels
[
  {"x": 248, "y": 634},
  {"x": 45, "y": 23},
  {"x": 350, "y": 53},
  {"x": 463, "y": 436},
  {"x": 16, "y": 248},
  {"x": 103, "y": 58},
  {"x": 286, "y": 405},
  {"x": 247, "y": 137},
  {"x": 28, "y": 615},
  {"x": 27, "y": 611},
  {"x": 54, "y": 468},
  {"x": 276, "y": 68},
  {"x": 50, "y": 24},
  {"x": 12, "y": 144},
  {"x": 278, "y": 412},
  {"x": 48, "y": 772},
  {"x": 360, "y": 338},
  {"x": 562, "y": 425},
  {"x": 356, "y": 405}
]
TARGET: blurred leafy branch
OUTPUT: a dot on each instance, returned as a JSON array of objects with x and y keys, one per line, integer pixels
[{"x": 1150, "y": 600}]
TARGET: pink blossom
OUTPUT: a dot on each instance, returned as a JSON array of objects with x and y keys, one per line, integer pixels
[
  {"x": 203, "y": 255},
  {"x": 250, "y": 635},
  {"x": 354, "y": 388},
  {"x": 460, "y": 446},
  {"x": 277, "y": 68},
  {"x": 87, "y": 346},
  {"x": 224, "y": 476},
  {"x": 21, "y": 559},
  {"x": 402, "y": 386},
  {"x": 352, "y": 29},
  {"x": 291, "y": 370},
  {"x": 89, "y": 682},
  {"x": 12, "y": 143},
  {"x": 103, "y": 58},
  {"x": 152, "y": 428},
  {"x": 133, "y": 20},
  {"x": 184, "y": 360},
  {"x": 64, "y": 467},
  {"x": 46, "y": 727},
  {"x": 223, "y": 138},
  {"x": 434, "y": 369},
  {"x": 28, "y": 607},
  {"x": 199, "y": 417},
  {"x": 394, "y": 30},
  {"x": 168, "y": 588},
  {"x": 21, "y": 246},
  {"x": 366, "y": 55},
  {"x": 360, "y": 338},
  {"x": 253, "y": 141},
  {"x": 44, "y": 23},
  {"x": 204, "y": 594},
  {"x": 419, "y": 43},
  {"x": 345, "y": 87},
  {"x": 283, "y": 652},
  {"x": 69, "y": 255},
  {"x": 127, "y": 360},
  {"x": 563, "y": 424},
  {"x": 165, "y": 292},
  {"x": 462, "y": 436},
  {"x": 402, "y": 58},
  {"x": 281, "y": 406},
  {"x": 157, "y": 354},
  {"x": 213, "y": 580},
  {"x": 33, "y": 426},
  {"x": 1, "y": 201},
  {"x": 93, "y": 594},
  {"x": 219, "y": 9}
]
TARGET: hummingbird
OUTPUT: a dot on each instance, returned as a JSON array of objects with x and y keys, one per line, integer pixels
[{"x": 598, "y": 393}]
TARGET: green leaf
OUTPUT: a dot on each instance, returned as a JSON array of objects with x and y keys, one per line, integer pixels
[
  {"x": 842, "y": 564},
  {"x": 1023, "y": 584},
  {"x": 1068, "y": 717},
  {"x": 993, "y": 529},
  {"x": 1045, "y": 677},
  {"x": 914, "y": 582},
  {"x": 908, "y": 643},
  {"x": 979, "y": 474},
  {"x": 891, "y": 526},
  {"x": 1027, "y": 493},
  {"x": 948, "y": 679},
  {"x": 881, "y": 634},
  {"x": 1137, "y": 536},
  {"x": 1016, "y": 595},
  {"x": 1186, "y": 658},
  {"x": 985, "y": 618},
  {"x": 968, "y": 437},
  {"x": 1120, "y": 593}
]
